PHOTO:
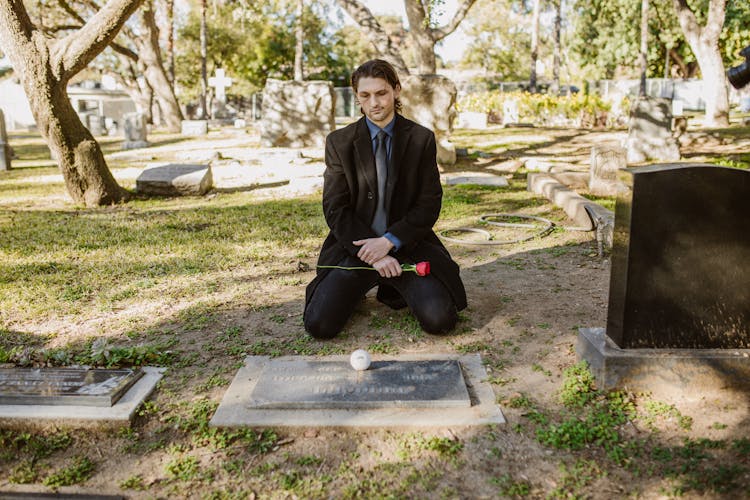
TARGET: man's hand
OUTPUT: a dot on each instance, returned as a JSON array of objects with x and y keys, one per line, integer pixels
[
  {"x": 388, "y": 267},
  {"x": 373, "y": 249}
]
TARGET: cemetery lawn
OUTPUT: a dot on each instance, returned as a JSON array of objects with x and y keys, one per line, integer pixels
[{"x": 196, "y": 284}]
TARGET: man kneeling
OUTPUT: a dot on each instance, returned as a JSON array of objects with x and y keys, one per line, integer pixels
[{"x": 381, "y": 198}]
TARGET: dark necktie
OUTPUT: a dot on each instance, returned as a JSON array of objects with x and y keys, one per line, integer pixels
[{"x": 381, "y": 166}]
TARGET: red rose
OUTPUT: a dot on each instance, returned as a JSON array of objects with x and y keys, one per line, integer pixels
[{"x": 423, "y": 268}]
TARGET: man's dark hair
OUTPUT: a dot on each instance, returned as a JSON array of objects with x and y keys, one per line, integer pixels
[{"x": 377, "y": 68}]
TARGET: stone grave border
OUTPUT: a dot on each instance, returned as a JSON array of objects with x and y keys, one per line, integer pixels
[
  {"x": 235, "y": 412},
  {"x": 84, "y": 416}
]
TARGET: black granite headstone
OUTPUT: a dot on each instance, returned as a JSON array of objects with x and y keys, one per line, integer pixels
[
  {"x": 331, "y": 384},
  {"x": 681, "y": 259},
  {"x": 64, "y": 386}
]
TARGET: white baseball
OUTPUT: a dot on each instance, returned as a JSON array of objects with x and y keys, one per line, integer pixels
[{"x": 360, "y": 360}]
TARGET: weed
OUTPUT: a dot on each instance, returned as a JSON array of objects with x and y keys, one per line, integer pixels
[
  {"x": 24, "y": 473},
  {"x": 741, "y": 446},
  {"x": 308, "y": 460},
  {"x": 183, "y": 468},
  {"x": 575, "y": 478},
  {"x": 578, "y": 386},
  {"x": 509, "y": 487},
  {"x": 520, "y": 401},
  {"x": 76, "y": 473},
  {"x": 213, "y": 381},
  {"x": 654, "y": 410},
  {"x": 539, "y": 368},
  {"x": 133, "y": 483}
]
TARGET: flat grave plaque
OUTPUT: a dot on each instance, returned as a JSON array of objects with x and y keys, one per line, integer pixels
[
  {"x": 302, "y": 384},
  {"x": 65, "y": 386}
]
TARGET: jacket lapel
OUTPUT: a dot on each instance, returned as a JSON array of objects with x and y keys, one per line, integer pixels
[
  {"x": 363, "y": 149},
  {"x": 401, "y": 136}
]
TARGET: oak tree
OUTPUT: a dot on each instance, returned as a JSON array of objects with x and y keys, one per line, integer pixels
[{"x": 45, "y": 66}]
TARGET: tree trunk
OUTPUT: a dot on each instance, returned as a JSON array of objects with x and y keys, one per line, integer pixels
[
  {"x": 150, "y": 53},
  {"x": 704, "y": 42},
  {"x": 204, "y": 56},
  {"x": 45, "y": 67},
  {"x": 644, "y": 47},
  {"x": 299, "y": 35},
  {"x": 170, "y": 41},
  {"x": 534, "y": 45},
  {"x": 557, "y": 50},
  {"x": 375, "y": 33},
  {"x": 421, "y": 34}
]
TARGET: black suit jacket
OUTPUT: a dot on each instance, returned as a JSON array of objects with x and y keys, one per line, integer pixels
[{"x": 413, "y": 199}]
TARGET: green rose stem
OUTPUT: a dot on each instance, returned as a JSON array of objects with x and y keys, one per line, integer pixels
[{"x": 420, "y": 268}]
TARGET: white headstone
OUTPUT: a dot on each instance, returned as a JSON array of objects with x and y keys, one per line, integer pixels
[
  {"x": 194, "y": 127},
  {"x": 135, "y": 130},
  {"x": 510, "y": 112},
  {"x": 606, "y": 161},
  {"x": 650, "y": 133}
]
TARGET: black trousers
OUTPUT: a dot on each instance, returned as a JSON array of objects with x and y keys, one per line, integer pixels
[{"x": 336, "y": 297}]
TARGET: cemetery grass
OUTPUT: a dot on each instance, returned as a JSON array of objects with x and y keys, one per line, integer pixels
[{"x": 196, "y": 284}]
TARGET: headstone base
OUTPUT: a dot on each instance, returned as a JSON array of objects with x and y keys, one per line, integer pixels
[
  {"x": 135, "y": 145},
  {"x": 663, "y": 372},
  {"x": 117, "y": 415},
  {"x": 237, "y": 408}
]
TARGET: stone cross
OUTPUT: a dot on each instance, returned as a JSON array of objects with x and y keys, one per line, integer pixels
[{"x": 220, "y": 82}]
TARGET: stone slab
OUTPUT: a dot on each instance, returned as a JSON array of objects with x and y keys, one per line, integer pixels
[
  {"x": 194, "y": 127},
  {"x": 235, "y": 409},
  {"x": 663, "y": 371},
  {"x": 299, "y": 383},
  {"x": 84, "y": 416},
  {"x": 65, "y": 386},
  {"x": 479, "y": 178},
  {"x": 175, "y": 180}
]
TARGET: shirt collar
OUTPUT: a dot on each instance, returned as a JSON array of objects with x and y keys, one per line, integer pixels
[{"x": 374, "y": 129}]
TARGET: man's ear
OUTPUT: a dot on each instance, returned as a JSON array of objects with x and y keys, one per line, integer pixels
[{"x": 397, "y": 90}]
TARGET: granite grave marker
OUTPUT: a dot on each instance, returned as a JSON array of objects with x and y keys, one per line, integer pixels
[
  {"x": 403, "y": 391},
  {"x": 64, "y": 386},
  {"x": 296, "y": 383},
  {"x": 681, "y": 259}
]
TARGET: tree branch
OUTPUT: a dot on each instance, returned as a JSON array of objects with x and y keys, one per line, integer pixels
[
  {"x": 443, "y": 31},
  {"x": 375, "y": 33},
  {"x": 715, "y": 21},
  {"x": 78, "y": 49}
]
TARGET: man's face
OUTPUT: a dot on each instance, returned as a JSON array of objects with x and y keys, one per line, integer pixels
[{"x": 377, "y": 98}]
